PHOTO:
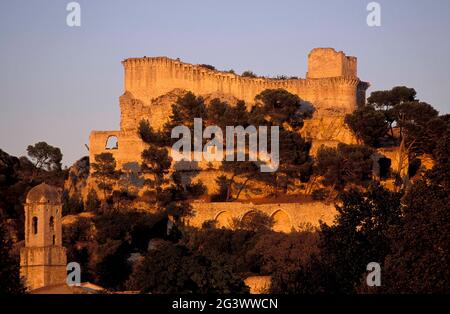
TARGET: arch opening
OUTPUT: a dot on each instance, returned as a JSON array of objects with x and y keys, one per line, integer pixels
[
  {"x": 223, "y": 219},
  {"x": 34, "y": 225},
  {"x": 51, "y": 223},
  {"x": 112, "y": 142},
  {"x": 281, "y": 221}
]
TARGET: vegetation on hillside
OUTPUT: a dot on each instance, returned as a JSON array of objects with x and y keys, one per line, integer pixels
[{"x": 120, "y": 247}]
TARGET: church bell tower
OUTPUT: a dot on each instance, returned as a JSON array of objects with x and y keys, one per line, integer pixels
[{"x": 43, "y": 259}]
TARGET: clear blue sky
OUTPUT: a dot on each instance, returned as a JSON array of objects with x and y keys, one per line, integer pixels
[{"x": 58, "y": 83}]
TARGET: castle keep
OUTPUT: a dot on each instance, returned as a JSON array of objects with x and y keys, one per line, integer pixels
[{"x": 152, "y": 85}]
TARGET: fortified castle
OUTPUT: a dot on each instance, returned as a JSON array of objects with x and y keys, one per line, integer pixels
[
  {"x": 331, "y": 86},
  {"x": 153, "y": 84}
]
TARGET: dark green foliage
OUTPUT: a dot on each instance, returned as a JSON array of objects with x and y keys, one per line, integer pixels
[
  {"x": 250, "y": 252},
  {"x": 419, "y": 262},
  {"x": 283, "y": 107},
  {"x": 208, "y": 66},
  {"x": 114, "y": 269},
  {"x": 368, "y": 124},
  {"x": 45, "y": 156},
  {"x": 249, "y": 73},
  {"x": 174, "y": 269},
  {"x": 17, "y": 177},
  {"x": 344, "y": 164},
  {"x": 390, "y": 98},
  {"x": 247, "y": 170},
  {"x": 10, "y": 283},
  {"x": 71, "y": 204},
  {"x": 184, "y": 111},
  {"x": 222, "y": 114},
  {"x": 254, "y": 221},
  {"x": 103, "y": 244},
  {"x": 360, "y": 235},
  {"x": 105, "y": 173},
  {"x": 92, "y": 202},
  {"x": 150, "y": 136},
  {"x": 224, "y": 192},
  {"x": 419, "y": 123}
]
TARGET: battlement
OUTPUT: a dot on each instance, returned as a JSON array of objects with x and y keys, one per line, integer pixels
[{"x": 331, "y": 80}]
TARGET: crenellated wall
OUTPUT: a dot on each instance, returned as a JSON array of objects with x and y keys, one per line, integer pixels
[{"x": 148, "y": 78}]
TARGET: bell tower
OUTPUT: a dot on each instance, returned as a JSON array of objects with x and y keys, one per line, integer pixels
[{"x": 43, "y": 259}]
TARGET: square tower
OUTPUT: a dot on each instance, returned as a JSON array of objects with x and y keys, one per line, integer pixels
[{"x": 327, "y": 62}]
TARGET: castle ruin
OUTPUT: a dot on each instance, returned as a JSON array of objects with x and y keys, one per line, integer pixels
[
  {"x": 153, "y": 84},
  {"x": 331, "y": 86}
]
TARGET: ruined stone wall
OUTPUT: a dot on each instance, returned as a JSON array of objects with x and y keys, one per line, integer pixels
[{"x": 287, "y": 216}]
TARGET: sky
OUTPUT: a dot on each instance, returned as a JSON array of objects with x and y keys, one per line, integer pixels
[{"x": 58, "y": 83}]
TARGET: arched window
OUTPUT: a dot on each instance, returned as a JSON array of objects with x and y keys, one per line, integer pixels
[
  {"x": 34, "y": 225},
  {"x": 54, "y": 240},
  {"x": 51, "y": 223},
  {"x": 112, "y": 142}
]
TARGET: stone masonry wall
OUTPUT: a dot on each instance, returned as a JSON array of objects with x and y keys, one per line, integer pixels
[{"x": 287, "y": 216}]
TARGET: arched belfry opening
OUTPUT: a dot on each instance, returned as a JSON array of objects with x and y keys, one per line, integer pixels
[
  {"x": 51, "y": 224},
  {"x": 34, "y": 225}
]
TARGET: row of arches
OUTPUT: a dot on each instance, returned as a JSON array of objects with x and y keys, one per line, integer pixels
[{"x": 281, "y": 220}]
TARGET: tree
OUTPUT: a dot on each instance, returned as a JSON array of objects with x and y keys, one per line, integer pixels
[
  {"x": 359, "y": 235},
  {"x": 344, "y": 164},
  {"x": 156, "y": 163},
  {"x": 184, "y": 111},
  {"x": 387, "y": 100},
  {"x": 419, "y": 260},
  {"x": 208, "y": 66},
  {"x": 249, "y": 73},
  {"x": 45, "y": 157},
  {"x": 255, "y": 221},
  {"x": 246, "y": 170},
  {"x": 174, "y": 269},
  {"x": 105, "y": 173},
  {"x": 368, "y": 124},
  {"x": 278, "y": 107},
  {"x": 283, "y": 107},
  {"x": 222, "y": 114},
  {"x": 413, "y": 120},
  {"x": 71, "y": 204},
  {"x": 92, "y": 202},
  {"x": 9, "y": 267}
]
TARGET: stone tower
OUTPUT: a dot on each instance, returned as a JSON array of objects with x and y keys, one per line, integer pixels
[{"x": 43, "y": 259}]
